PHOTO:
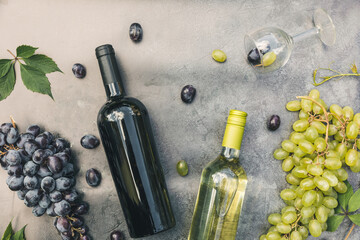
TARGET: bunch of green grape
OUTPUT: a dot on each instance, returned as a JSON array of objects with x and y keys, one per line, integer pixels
[{"x": 322, "y": 143}]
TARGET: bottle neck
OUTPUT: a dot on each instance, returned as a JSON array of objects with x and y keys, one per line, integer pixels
[
  {"x": 231, "y": 154},
  {"x": 110, "y": 72}
]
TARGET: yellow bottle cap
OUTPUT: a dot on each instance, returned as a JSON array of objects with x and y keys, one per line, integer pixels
[{"x": 234, "y": 129}]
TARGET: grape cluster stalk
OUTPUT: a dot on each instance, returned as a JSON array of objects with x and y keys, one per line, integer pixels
[
  {"x": 324, "y": 142},
  {"x": 41, "y": 172}
]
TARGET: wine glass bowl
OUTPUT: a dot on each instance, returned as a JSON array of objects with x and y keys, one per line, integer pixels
[{"x": 268, "y": 49}]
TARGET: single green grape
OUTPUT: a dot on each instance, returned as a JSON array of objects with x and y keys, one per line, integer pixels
[
  {"x": 289, "y": 202},
  {"x": 331, "y": 193},
  {"x": 283, "y": 228},
  {"x": 288, "y": 194},
  {"x": 280, "y": 154},
  {"x": 306, "y": 146},
  {"x": 303, "y": 231},
  {"x": 300, "y": 172},
  {"x": 295, "y": 235},
  {"x": 331, "y": 178},
  {"x": 330, "y": 202},
  {"x": 263, "y": 237},
  {"x": 307, "y": 212},
  {"x": 333, "y": 163},
  {"x": 321, "y": 183},
  {"x": 319, "y": 199},
  {"x": 298, "y": 203},
  {"x": 305, "y": 221},
  {"x": 331, "y": 212},
  {"x": 301, "y": 125},
  {"x": 288, "y": 146},
  {"x": 273, "y": 236},
  {"x": 291, "y": 179},
  {"x": 341, "y": 174},
  {"x": 287, "y": 164},
  {"x": 268, "y": 59},
  {"x": 342, "y": 150},
  {"x": 311, "y": 134},
  {"x": 339, "y": 136},
  {"x": 319, "y": 126},
  {"x": 314, "y": 94},
  {"x": 289, "y": 217},
  {"x": 341, "y": 187},
  {"x": 309, "y": 198},
  {"x": 288, "y": 209},
  {"x": 274, "y": 218},
  {"x": 315, "y": 228},
  {"x": 315, "y": 170},
  {"x": 320, "y": 144},
  {"x": 357, "y": 118},
  {"x": 332, "y": 154},
  {"x": 351, "y": 157},
  {"x": 293, "y": 106},
  {"x": 306, "y": 161},
  {"x": 307, "y": 184},
  {"x": 295, "y": 137},
  {"x": 296, "y": 160},
  {"x": 182, "y": 168},
  {"x": 218, "y": 56},
  {"x": 306, "y": 105},
  {"x": 324, "y": 226},
  {"x": 332, "y": 130},
  {"x": 303, "y": 115},
  {"x": 317, "y": 109},
  {"x": 356, "y": 167},
  {"x": 322, "y": 213},
  {"x": 352, "y": 130},
  {"x": 272, "y": 229},
  {"x": 348, "y": 113},
  {"x": 300, "y": 191},
  {"x": 336, "y": 109},
  {"x": 298, "y": 152}
]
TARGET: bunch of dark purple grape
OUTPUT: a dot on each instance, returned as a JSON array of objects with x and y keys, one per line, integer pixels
[{"x": 40, "y": 170}]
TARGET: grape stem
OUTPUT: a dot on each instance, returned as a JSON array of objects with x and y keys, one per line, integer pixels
[
  {"x": 351, "y": 229},
  {"x": 337, "y": 74},
  {"x": 12, "y": 54}
]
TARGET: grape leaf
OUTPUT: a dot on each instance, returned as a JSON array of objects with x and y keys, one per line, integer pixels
[
  {"x": 334, "y": 222},
  {"x": 355, "y": 219},
  {"x": 25, "y": 51},
  {"x": 4, "y": 66},
  {"x": 8, "y": 232},
  {"x": 35, "y": 80},
  {"x": 7, "y": 83},
  {"x": 354, "y": 202},
  {"x": 43, "y": 63},
  {"x": 19, "y": 235},
  {"x": 344, "y": 198}
]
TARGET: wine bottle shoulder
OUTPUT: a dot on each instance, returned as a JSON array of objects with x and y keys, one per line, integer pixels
[{"x": 225, "y": 167}]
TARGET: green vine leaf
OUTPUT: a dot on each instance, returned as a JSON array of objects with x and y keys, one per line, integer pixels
[
  {"x": 354, "y": 202},
  {"x": 344, "y": 198},
  {"x": 8, "y": 232},
  {"x": 25, "y": 51},
  {"x": 19, "y": 235},
  {"x": 35, "y": 80},
  {"x": 334, "y": 222},
  {"x": 355, "y": 219},
  {"x": 43, "y": 63},
  {"x": 4, "y": 66},
  {"x": 7, "y": 83}
]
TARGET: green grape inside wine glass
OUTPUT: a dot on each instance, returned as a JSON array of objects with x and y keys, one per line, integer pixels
[{"x": 269, "y": 49}]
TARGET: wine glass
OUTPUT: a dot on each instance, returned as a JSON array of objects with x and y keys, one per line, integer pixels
[{"x": 270, "y": 48}]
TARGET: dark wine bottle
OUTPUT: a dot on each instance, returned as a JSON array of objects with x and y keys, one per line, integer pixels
[{"x": 129, "y": 144}]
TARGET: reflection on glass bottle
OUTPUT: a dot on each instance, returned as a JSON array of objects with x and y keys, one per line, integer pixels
[{"x": 222, "y": 188}]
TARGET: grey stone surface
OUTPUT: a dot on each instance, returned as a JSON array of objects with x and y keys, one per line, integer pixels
[{"x": 179, "y": 37}]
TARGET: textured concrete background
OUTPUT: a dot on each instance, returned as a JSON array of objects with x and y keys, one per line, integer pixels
[{"x": 179, "y": 37}]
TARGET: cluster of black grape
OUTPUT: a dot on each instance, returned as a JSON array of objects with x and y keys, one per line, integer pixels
[{"x": 40, "y": 170}]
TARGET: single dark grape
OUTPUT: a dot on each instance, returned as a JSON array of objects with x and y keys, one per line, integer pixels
[
  {"x": 54, "y": 164},
  {"x": 135, "y": 32},
  {"x": 254, "y": 56},
  {"x": 31, "y": 146},
  {"x": 21, "y": 193},
  {"x": 62, "y": 208},
  {"x": 93, "y": 177},
  {"x": 32, "y": 197},
  {"x": 55, "y": 196},
  {"x": 60, "y": 144},
  {"x": 12, "y": 136},
  {"x": 89, "y": 141},
  {"x": 45, "y": 201},
  {"x": 43, "y": 140},
  {"x": 51, "y": 148},
  {"x": 117, "y": 235},
  {"x": 68, "y": 170},
  {"x": 13, "y": 158},
  {"x": 48, "y": 184},
  {"x": 15, "y": 183},
  {"x": 64, "y": 157},
  {"x": 79, "y": 70},
  {"x": 34, "y": 130},
  {"x": 62, "y": 224},
  {"x": 5, "y": 127},
  {"x": 44, "y": 171},
  {"x": 30, "y": 168},
  {"x": 50, "y": 136},
  {"x": 38, "y": 211},
  {"x": 273, "y": 122},
  {"x": 24, "y": 156},
  {"x": 71, "y": 195},
  {"x": 2, "y": 139},
  {"x": 81, "y": 208},
  {"x": 63, "y": 183},
  {"x": 188, "y": 93},
  {"x": 50, "y": 210},
  {"x": 15, "y": 170},
  {"x": 31, "y": 182},
  {"x": 3, "y": 163},
  {"x": 23, "y": 137},
  {"x": 40, "y": 155}
]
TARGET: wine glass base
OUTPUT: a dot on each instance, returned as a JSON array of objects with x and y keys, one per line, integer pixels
[{"x": 325, "y": 26}]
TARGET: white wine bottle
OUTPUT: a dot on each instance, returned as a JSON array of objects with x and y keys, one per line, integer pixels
[{"x": 222, "y": 188}]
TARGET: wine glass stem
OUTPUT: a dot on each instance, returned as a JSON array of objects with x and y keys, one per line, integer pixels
[{"x": 309, "y": 33}]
